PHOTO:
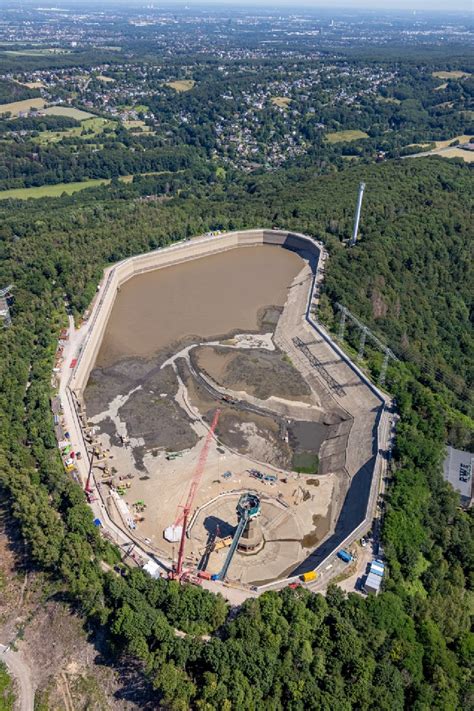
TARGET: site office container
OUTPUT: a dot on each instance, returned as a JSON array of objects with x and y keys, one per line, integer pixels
[
  {"x": 373, "y": 583},
  {"x": 310, "y": 575},
  {"x": 377, "y": 568}
]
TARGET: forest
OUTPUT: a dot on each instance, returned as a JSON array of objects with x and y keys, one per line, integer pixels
[{"x": 410, "y": 647}]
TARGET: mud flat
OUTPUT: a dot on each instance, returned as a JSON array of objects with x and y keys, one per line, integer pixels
[{"x": 259, "y": 373}]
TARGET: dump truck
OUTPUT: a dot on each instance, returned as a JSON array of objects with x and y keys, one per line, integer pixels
[
  {"x": 344, "y": 555},
  {"x": 309, "y": 576},
  {"x": 223, "y": 543}
]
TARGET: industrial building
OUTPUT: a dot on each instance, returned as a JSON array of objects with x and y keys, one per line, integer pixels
[{"x": 458, "y": 467}]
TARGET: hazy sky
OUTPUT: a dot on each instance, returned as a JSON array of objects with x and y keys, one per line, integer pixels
[{"x": 447, "y": 6}]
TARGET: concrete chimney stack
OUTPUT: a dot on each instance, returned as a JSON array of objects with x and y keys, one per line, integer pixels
[{"x": 357, "y": 215}]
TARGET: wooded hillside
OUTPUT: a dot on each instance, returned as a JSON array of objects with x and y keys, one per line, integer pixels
[{"x": 407, "y": 649}]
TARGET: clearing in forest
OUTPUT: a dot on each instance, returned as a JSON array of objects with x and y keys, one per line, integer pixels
[
  {"x": 181, "y": 85},
  {"x": 345, "y": 136},
  {"x": 50, "y": 190},
  {"x": 455, "y": 74},
  {"x": 282, "y": 101},
  {"x": 87, "y": 129}
]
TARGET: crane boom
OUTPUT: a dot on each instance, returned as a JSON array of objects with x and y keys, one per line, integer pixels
[{"x": 196, "y": 480}]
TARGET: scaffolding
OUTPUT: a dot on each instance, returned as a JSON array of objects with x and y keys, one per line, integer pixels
[{"x": 365, "y": 333}]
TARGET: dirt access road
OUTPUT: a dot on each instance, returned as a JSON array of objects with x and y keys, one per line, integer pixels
[{"x": 20, "y": 671}]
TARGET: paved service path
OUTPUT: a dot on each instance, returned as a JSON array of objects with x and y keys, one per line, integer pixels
[{"x": 22, "y": 674}]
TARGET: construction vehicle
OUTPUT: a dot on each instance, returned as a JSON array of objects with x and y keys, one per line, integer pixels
[
  {"x": 247, "y": 509},
  {"x": 223, "y": 543},
  {"x": 309, "y": 576},
  {"x": 182, "y": 519},
  {"x": 230, "y": 400},
  {"x": 173, "y": 455}
]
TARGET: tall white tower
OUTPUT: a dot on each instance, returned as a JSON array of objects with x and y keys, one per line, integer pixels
[{"x": 357, "y": 215}]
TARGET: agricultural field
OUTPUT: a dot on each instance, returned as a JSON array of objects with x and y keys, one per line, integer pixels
[
  {"x": 445, "y": 144},
  {"x": 69, "y": 111},
  {"x": 345, "y": 136},
  {"x": 181, "y": 85},
  {"x": 282, "y": 101},
  {"x": 46, "y": 51},
  {"x": 454, "y": 152},
  {"x": 455, "y": 74},
  {"x": 15, "y": 108},
  {"x": 50, "y": 190}
]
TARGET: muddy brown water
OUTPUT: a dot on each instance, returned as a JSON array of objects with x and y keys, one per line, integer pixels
[{"x": 206, "y": 297}]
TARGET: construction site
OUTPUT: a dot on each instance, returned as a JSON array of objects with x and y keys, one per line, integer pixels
[{"x": 222, "y": 433}]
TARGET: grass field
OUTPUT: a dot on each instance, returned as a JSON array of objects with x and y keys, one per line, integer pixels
[
  {"x": 181, "y": 84},
  {"x": 16, "y": 107},
  {"x": 345, "y": 136},
  {"x": 69, "y": 188},
  {"x": 69, "y": 111},
  {"x": 135, "y": 125},
  {"x": 441, "y": 86},
  {"x": 93, "y": 127},
  {"x": 388, "y": 100},
  {"x": 103, "y": 78},
  {"x": 282, "y": 101},
  {"x": 455, "y": 74},
  {"x": 50, "y": 190}
]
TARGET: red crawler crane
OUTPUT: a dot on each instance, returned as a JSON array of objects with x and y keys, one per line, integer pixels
[{"x": 183, "y": 517}]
